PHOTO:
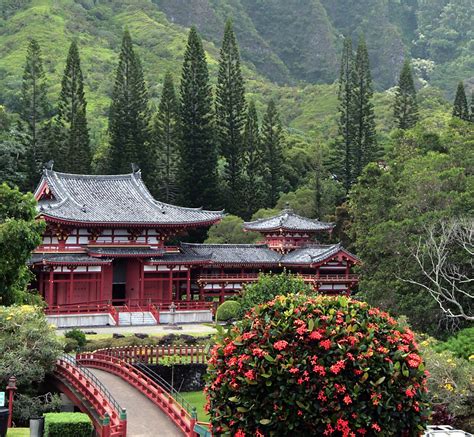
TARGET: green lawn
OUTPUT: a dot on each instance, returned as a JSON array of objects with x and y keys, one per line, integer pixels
[
  {"x": 197, "y": 399},
  {"x": 18, "y": 432}
]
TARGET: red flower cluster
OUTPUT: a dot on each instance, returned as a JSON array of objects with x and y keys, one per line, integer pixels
[{"x": 326, "y": 365}]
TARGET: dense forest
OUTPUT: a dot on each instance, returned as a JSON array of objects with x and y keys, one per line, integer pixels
[{"x": 360, "y": 114}]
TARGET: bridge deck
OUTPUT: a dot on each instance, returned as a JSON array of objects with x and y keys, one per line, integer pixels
[{"x": 144, "y": 418}]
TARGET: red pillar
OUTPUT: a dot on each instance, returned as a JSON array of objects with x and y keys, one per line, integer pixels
[
  {"x": 70, "y": 287},
  {"x": 188, "y": 284},
  {"x": 170, "y": 285},
  {"x": 101, "y": 286},
  {"x": 49, "y": 291}
]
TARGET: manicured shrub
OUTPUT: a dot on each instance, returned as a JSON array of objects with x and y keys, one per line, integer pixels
[
  {"x": 67, "y": 425},
  {"x": 77, "y": 335},
  {"x": 228, "y": 310},
  {"x": 268, "y": 286},
  {"x": 316, "y": 366}
]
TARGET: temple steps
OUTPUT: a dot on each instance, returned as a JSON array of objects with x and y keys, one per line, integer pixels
[{"x": 136, "y": 318}]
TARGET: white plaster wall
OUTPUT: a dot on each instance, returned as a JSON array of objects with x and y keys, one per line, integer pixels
[
  {"x": 77, "y": 320},
  {"x": 195, "y": 316}
]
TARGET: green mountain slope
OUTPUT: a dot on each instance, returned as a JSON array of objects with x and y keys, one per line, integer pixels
[{"x": 281, "y": 41}]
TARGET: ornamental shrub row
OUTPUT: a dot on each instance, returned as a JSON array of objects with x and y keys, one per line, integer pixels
[
  {"x": 322, "y": 365},
  {"x": 67, "y": 425}
]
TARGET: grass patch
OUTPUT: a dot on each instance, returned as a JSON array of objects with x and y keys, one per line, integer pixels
[
  {"x": 197, "y": 399},
  {"x": 18, "y": 432}
]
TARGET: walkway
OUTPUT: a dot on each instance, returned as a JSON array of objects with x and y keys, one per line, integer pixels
[
  {"x": 192, "y": 329},
  {"x": 144, "y": 418}
]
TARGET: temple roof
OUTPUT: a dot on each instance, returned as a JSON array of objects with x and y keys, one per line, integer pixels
[
  {"x": 115, "y": 199},
  {"x": 66, "y": 258},
  {"x": 258, "y": 254},
  {"x": 287, "y": 220},
  {"x": 115, "y": 252},
  {"x": 312, "y": 254}
]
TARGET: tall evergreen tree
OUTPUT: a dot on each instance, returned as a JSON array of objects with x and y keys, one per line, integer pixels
[
  {"x": 460, "y": 107},
  {"x": 272, "y": 141},
  {"x": 166, "y": 143},
  {"x": 471, "y": 117},
  {"x": 34, "y": 109},
  {"x": 365, "y": 143},
  {"x": 129, "y": 115},
  {"x": 253, "y": 163},
  {"x": 406, "y": 107},
  {"x": 76, "y": 155},
  {"x": 343, "y": 153},
  {"x": 318, "y": 191},
  {"x": 198, "y": 153},
  {"x": 230, "y": 117}
]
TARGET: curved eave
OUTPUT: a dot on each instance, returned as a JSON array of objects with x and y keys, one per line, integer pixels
[
  {"x": 292, "y": 230},
  {"x": 53, "y": 219}
]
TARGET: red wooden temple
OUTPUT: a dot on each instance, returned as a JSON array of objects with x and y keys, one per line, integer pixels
[{"x": 107, "y": 243}]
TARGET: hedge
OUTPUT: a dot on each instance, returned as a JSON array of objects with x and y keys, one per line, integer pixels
[
  {"x": 228, "y": 310},
  {"x": 67, "y": 425}
]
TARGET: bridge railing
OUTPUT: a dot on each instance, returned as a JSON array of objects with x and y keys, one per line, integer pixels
[
  {"x": 111, "y": 419},
  {"x": 152, "y": 354},
  {"x": 178, "y": 412}
]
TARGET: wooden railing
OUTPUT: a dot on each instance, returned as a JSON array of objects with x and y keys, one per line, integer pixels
[
  {"x": 178, "y": 412},
  {"x": 246, "y": 277},
  {"x": 109, "y": 419},
  {"x": 121, "y": 305},
  {"x": 154, "y": 354}
]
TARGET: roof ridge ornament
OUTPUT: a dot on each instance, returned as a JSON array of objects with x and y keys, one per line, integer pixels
[
  {"x": 135, "y": 168},
  {"x": 48, "y": 165}
]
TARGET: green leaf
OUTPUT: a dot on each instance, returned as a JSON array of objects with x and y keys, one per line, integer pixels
[
  {"x": 269, "y": 358},
  {"x": 242, "y": 409},
  {"x": 234, "y": 399},
  {"x": 396, "y": 366},
  {"x": 380, "y": 380},
  {"x": 310, "y": 325},
  {"x": 364, "y": 377},
  {"x": 265, "y": 421}
]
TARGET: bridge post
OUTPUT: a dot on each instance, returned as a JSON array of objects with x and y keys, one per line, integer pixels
[
  {"x": 123, "y": 421},
  {"x": 193, "y": 422},
  {"x": 106, "y": 426}
]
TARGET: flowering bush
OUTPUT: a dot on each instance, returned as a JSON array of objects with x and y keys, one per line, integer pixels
[{"x": 316, "y": 366}]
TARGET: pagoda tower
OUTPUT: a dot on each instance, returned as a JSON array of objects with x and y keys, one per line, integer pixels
[{"x": 288, "y": 231}]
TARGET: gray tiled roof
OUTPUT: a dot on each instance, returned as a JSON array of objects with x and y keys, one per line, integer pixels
[
  {"x": 310, "y": 254},
  {"x": 287, "y": 220},
  {"x": 180, "y": 258},
  {"x": 124, "y": 251},
  {"x": 64, "y": 258},
  {"x": 233, "y": 253},
  {"x": 113, "y": 199}
]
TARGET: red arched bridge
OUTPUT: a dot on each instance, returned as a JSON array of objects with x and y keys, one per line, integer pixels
[{"x": 123, "y": 397}]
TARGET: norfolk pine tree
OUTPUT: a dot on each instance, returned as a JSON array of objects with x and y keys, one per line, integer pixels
[
  {"x": 365, "y": 143},
  {"x": 76, "y": 155},
  {"x": 230, "y": 118},
  {"x": 165, "y": 142},
  {"x": 460, "y": 107},
  {"x": 253, "y": 161},
  {"x": 406, "y": 107},
  {"x": 198, "y": 154},
  {"x": 34, "y": 109},
  {"x": 272, "y": 142},
  {"x": 129, "y": 115},
  {"x": 343, "y": 153}
]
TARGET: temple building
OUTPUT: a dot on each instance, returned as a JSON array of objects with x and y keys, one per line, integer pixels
[{"x": 107, "y": 245}]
